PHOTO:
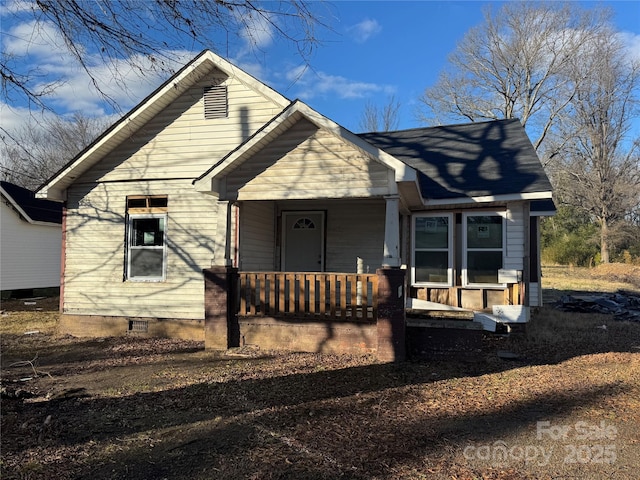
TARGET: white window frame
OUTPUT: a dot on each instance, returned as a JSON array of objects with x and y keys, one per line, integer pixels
[
  {"x": 131, "y": 248},
  {"x": 450, "y": 249},
  {"x": 465, "y": 249}
]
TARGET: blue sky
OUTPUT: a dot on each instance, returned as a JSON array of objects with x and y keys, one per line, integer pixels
[{"x": 376, "y": 49}]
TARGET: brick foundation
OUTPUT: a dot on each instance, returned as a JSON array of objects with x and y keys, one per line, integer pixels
[
  {"x": 391, "y": 330},
  {"x": 309, "y": 336}
]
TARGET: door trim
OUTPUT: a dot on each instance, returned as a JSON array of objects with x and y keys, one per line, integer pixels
[{"x": 283, "y": 248}]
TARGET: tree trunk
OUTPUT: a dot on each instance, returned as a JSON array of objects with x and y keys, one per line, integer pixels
[{"x": 604, "y": 241}]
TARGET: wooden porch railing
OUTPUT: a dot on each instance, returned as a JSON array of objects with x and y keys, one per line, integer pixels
[{"x": 319, "y": 296}]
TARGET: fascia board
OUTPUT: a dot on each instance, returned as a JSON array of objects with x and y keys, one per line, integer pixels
[{"x": 488, "y": 198}]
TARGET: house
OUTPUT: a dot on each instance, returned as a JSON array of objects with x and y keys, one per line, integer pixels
[
  {"x": 30, "y": 240},
  {"x": 219, "y": 209}
]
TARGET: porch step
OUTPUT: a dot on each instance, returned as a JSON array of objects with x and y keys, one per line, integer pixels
[
  {"x": 443, "y": 339},
  {"x": 463, "y": 324}
]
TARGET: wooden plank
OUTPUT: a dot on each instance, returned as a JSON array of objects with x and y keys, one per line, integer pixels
[
  {"x": 311, "y": 278},
  {"x": 353, "y": 283},
  {"x": 271, "y": 278},
  {"x": 333, "y": 282},
  {"x": 292, "y": 292},
  {"x": 343, "y": 295},
  {"x": 243, "y": 293},
  {"x": 282, "y": 282},
  {"x": 302, "y": 297},
  {"x": 252, "y": 294},
  {"x": 374, "y": 297},
  {"x": 263, "y": 293},
  {"x": 322, "y": 304}
]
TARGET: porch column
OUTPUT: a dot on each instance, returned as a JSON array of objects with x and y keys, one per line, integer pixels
[
  {"x": 391, "y": 232},
  {"x": 390, "y": 327},
  {"x": 221, "y": 329},
  {"x": 224, "y": 226}
]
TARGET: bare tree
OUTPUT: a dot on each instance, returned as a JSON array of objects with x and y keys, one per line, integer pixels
[
  {"x": 513, "y": 66},
  {"x": 375, "y": 119},
  {"x": 599, "y": 169},
  {"x": 151, "y": 32},
  {"x": 37, "y": 151}
]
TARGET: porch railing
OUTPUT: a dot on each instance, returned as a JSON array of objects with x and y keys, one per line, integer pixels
[{"x": 319, "y": 296}]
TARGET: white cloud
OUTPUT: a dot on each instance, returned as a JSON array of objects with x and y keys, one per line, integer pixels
[
  {"x": 363, "y": 31},
  {"x": 308, "y": 84},
  {"x": 632, "y": 42}
]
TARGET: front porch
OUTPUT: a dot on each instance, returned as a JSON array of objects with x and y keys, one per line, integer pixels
[{"x": 322, "y": 312}]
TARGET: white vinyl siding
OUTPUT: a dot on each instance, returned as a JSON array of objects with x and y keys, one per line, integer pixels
[
  {"x": 162, "y": 157},
  {"x": 354, "y": 228},
  {"x": 179, "y": 142},
  {"x": 257, "y": 236},
  {"x": 30, "y": 253},
  {"x": 96, "y": 253},
  {"x": 516, "y": 236},
  {"x": 305, "y": 163}
]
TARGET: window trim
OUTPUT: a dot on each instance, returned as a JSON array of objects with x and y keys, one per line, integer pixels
[
  {"x": 450, "y": 249},
  {"x": 465, "y": 249},
  {"x": 130, "y": 248}
]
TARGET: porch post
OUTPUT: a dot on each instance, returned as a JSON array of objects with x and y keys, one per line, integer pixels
[
  {"x": 391, "y": 232},
  {"x": 224, "y": 224},
  {"x": 221, "y": 329},
  {"x": 391, "y": 330}
]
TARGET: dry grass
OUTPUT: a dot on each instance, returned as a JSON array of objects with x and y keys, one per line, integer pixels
[
  {"x": 603, "y": 278},
  {"x": 147, "y": 408}
]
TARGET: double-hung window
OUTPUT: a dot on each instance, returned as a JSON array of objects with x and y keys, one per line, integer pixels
[
  {"x": 146, "y": 238},
  {"x": 432, "y": 262},
  {"x": 484, "y": 247}
]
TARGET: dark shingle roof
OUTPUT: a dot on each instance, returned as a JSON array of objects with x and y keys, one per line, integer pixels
[
  {"x": 469, "y": 160},
  {"x": 37, "y": 210}
]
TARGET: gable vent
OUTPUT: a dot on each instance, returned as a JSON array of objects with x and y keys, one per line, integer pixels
[{"x": 215, "y": 102}]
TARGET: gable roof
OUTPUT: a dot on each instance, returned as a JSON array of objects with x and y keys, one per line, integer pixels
[
  {"x": 280, "y": 123},
  {"x": 482, "y": 161},
  {"x": 32, "y": 209},
  {"x": 188, "y": 75}
]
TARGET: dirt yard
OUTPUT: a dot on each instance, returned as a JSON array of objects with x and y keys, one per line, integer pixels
[{"x": 567, "y": 407}]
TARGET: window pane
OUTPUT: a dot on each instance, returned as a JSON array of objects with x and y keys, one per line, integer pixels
[
  {"x": 432, "y": 232},
  {"x": 432, "y": 267},
  {"x": 148, "y": 232},
  {"x": 482, "y": 267},
  {"x": 484, "y": 231},
  {"x": 146, "y": 262}
]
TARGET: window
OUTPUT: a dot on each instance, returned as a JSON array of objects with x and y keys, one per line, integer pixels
[
  {"x": 432, "y": 249},
  {"x": 215, "y": 102},
  {"x": 146, "y": 238},
  {"x": 484, "y": 240}
]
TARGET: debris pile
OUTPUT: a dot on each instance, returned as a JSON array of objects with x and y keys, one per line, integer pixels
[{"x": 622, "y": 305}]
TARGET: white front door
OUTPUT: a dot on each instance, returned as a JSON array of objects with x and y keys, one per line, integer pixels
[{"x": 303, "y": 241}]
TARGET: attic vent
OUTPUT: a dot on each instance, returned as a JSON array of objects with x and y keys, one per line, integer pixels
[{"x": 215, "y": 102}]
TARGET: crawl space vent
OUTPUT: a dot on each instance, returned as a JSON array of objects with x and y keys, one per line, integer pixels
[{"x": 138, "y": 326}]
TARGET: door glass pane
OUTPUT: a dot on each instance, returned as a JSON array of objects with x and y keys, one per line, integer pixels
[
  {"x": 484, "y": 231},
  {"x": 482, "y": 267},
  {"x": 432, "y": 267},
  {"x": 432, "y": 232}
]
